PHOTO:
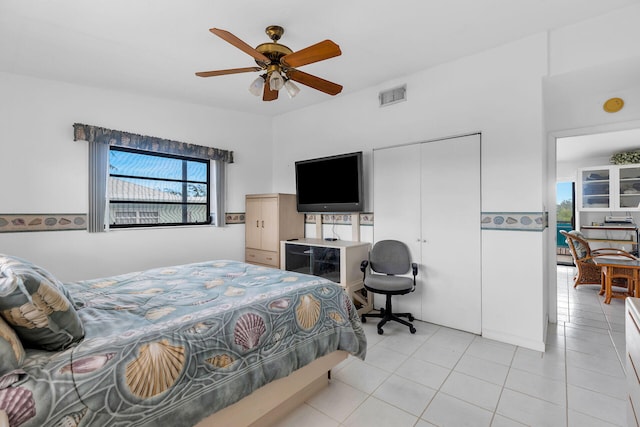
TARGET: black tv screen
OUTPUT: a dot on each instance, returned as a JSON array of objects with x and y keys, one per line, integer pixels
[{"x": 330, "y": 184}]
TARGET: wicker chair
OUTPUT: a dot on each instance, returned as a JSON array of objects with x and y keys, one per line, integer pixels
[{"x": 588, "y": 272}]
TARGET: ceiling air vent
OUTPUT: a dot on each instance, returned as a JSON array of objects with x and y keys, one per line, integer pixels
[{"x": 393, "y": 96}]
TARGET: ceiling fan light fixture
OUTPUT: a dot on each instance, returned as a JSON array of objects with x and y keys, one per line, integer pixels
[
  {"x": 292, "y": 88},
  {"x": 276, "y": 81},
  {"x": 256, "y": 86},
  {"x": 278, "y": 64}
]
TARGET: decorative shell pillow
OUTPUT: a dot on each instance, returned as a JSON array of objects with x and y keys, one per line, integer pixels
[
  {"x": 581, "y": 251},
  {"x": 36, "y": 306}
]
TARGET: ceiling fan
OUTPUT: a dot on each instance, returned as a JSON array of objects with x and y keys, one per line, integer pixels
[{"x": 280, "y": 64}]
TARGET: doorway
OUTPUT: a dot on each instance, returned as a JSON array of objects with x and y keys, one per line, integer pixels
[{"x": 573, "y": 150}]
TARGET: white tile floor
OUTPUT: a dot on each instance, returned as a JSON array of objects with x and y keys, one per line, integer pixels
[{"x": 444, "y": 377}]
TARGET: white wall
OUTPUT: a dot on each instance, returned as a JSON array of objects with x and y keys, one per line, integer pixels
[
  {"x": 606, "y": 39},
  {"x": 43, "y": 170},
  {"x": 497, "y": 93},
  {"x": 566, "y": 171},
  {"x": 591, "y": 62}
]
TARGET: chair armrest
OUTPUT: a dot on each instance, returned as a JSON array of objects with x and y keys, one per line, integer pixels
[
  {"x": 414, "y": 270},
  {"x": 363, "y": 268},
  {"x": 601, "y": 250},
  {"x": 614, "y": 252}
]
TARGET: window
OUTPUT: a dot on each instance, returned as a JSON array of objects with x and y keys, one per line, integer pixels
[
  {"x": 196, "y": 188},
  {"x": 147, "y": 189}
]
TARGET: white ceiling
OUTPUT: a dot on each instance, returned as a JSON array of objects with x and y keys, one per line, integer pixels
[{"x": 153, "y": 47}]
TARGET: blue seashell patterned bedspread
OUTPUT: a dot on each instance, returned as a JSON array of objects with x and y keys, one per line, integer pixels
[{"x": 170, "y": 346}]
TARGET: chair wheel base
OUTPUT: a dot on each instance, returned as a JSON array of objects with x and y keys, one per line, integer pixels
[
  {"x": 387, "y": 314},
  {"x": 388, "y": 317}
]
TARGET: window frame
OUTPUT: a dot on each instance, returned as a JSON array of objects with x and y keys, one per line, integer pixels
[{"x": 184, "y": 182}]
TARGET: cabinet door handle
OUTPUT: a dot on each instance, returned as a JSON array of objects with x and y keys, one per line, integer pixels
[
  {"x": 257, "y": 223},
  {"x": 263, "y": 224}
]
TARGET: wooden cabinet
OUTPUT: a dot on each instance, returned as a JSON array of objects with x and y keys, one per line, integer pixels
[
  {"x": 338, "y": 261},
  {"x": 270, "y": 218},
  {"x": 632, "y": 339},
  {"x": 609, "y": 188}
]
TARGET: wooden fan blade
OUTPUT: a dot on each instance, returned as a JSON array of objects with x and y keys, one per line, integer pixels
[
  {"x": 315, "y": 82},
  {"x": 230, "y": 38},
  {"x": 268, "y": 94},
  {"x": 314, "y": 53},
  {"x": 229, "y": 71}
]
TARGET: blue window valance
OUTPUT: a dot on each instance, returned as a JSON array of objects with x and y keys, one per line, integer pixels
[{"x": 91, "y": 133}]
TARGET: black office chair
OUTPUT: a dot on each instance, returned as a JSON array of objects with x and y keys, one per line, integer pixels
[{"x": 387, "y": 259}]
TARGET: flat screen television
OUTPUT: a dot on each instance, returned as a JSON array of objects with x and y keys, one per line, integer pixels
[{"x": 330, "y": 184}]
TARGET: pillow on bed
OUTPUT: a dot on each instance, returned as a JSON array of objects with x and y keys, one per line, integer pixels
[
  {"x": 36, "y": 306},
  {"x": 20, "y": 265}
]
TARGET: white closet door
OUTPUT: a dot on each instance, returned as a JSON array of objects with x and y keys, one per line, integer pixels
[
  {"x": 396, "y": 202},
  {"x": 428, "y": 196},
  {"x": 451, "y": 247}
]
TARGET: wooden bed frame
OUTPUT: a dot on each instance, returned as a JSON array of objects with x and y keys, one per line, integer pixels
[
  {"x": 273, "y": 401},
  {"x": 270, "y": 402}
]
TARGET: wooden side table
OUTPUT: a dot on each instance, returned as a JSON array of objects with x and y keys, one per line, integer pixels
[{"x": 619, "y": 269}]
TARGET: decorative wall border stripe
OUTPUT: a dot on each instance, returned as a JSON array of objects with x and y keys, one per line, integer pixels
[
  {"x": 515, "y": 221},
  {"x": 234, "y": 218},
  {"x": 520, "y": 221},
  {"x": 11, "y": 223},
  {"x": 340, "y": 219}
]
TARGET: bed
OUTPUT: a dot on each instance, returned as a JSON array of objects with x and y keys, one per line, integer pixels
[{"x": 175, "y": 346}]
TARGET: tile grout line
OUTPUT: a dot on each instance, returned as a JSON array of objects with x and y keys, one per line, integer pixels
[{"x": 504, "y": 384}]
